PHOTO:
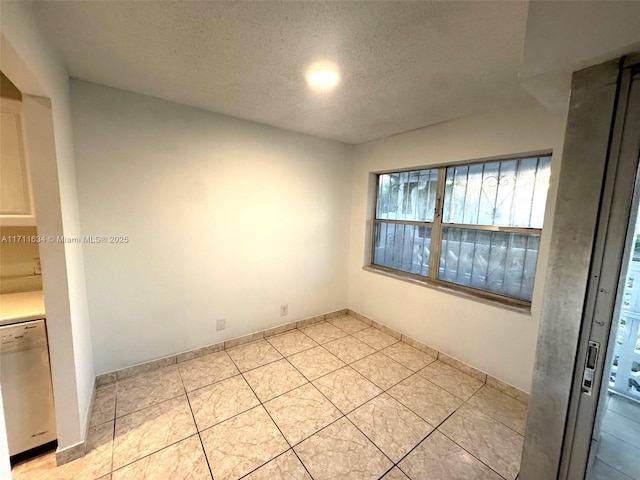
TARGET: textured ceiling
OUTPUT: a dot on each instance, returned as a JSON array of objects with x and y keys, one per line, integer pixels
[{"x": 404, "y": 65}]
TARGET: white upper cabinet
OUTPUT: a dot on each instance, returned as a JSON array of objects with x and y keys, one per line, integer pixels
[{"x": 16, "y": 201}]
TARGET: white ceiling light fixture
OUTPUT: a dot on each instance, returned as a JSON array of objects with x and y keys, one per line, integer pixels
[{"x": 323, "y": 77}]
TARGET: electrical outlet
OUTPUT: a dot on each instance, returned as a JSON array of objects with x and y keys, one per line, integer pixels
[
  {"x": 284, "y": 310},
  {"x": 221, "y": 324},
  {"x": 37, "y": 268}
]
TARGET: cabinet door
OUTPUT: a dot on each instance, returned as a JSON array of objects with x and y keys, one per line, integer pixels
[{"x": 16, "y": 207}]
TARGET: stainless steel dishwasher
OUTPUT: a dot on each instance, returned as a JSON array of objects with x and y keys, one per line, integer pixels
[{"x": 25, "y": 380}]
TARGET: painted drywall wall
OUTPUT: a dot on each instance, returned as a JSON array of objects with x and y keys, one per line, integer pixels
[
  {"x": 496, "y": 340},
  {"x": 577, "y": 35},
  {"x": 564, "y": 37},
  {"x": 28, "y": 60},
  {"x": 223, "y": 218}
]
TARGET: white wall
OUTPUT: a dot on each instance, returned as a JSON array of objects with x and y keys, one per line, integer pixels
[
  {"x": 564, "y": 37},
  {"x": 496, "y": 340},
  {"x": 29, "y": 61},
  {"x": 576, "y": 35},
  {"x": 226, "y": 219}
]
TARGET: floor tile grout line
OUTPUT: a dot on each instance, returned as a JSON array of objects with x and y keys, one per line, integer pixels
[
  {"x": 160, "y": 449},
  {"x": 387, "y": 472},
  {"x": 397, "y": 464},
  {"x": 292, "y": 330},
  {"x": 466, "y": 402},
  {"x": 213, "y": 383},
  {"x": 243, "y": 411},
  {"x": 267, "y": 412},
  {"x": 475, "y": 456},
  {"x": 204, "y": 451},
  {"x": 349, "y": 364},
  {"x": 180, "y": 371},
  {"x": 320, "y": 430},
  {"x": 195, "y": 424},
  {"x": 377, "y": 395},
  {"x": 113, "y": 439},
  {"x": 302, "y": 332},
  {"x": 353, "y": 409},
  {"x": 311, "y": 381},
  {"x": 315, "y": 433},
  {"x": 375, "y": 347},
  {"x": 414, "y": 371},
  {"x": 267, "y": 363},
  {"x": 344, "y": 415},
  {"x": 613, "y": 468},
  {"x": 324, "y": 374},
  {"x": 609, "y": 409},
  {"x": 419, "y": 416},
  {"x": 280, "y": 394},
  {"x": 154, "y": 452},
  {"x": 277, "y": 456},
  {"x": 240, "y": 413},
  {"x": 223, "y": 421},
  {"x": 621, "y": 439},
  {"x": 345, "y": 363},
  {"x": 407, "y": 406},
  {"x": 302, "y": 463},
  {"x": 401, "y": 470},
  {"x": 328, "y": 323},
  {"x": 138, "y": 409},
  {"x": 297, "y": 369},
  {"x": 274, "y": 422},
  {"x": 608, "y": 432},
  {"x": 358, "y": 373},
  {"x": 361, "y": 358},
  {"x": 150, "y": 405},
  {"x": 371, "y": 380},
  {"x": 281, "y": 432},
  {"x": 348, "y": 315},
  {"x": 482, "y": 384},
  {"x": 176, "y": 365},
  {"x": 367, "y": 437},
  {"x": 320, "y": 392},
  {"x": 283, "y": 333}
]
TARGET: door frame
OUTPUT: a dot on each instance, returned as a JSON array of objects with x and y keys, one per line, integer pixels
[
  {"x": 580, "y": 185},
  {"x": 608, "y": 272},
  {"x": 43, "y": 164}
]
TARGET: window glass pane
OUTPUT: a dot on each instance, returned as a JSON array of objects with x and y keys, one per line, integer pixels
[
  {"x": 510, "y": 193},
  {"x": 500, "y": 262},
  {"x": 407, "y": 195},
  {"x": 402, "y": 247}
]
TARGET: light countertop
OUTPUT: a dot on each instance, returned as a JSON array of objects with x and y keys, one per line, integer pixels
[{"x": 19, "y": 307}]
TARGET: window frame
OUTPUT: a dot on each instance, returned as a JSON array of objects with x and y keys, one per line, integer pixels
[{"x": 437, "y": 225}]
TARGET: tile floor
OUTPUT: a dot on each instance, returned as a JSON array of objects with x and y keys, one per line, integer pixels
[
  {"x": 333, "y": 400},
  {"x": 618, "y": 449}
]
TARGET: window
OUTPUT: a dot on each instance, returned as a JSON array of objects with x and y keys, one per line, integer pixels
[{"x": 476, "y": 226}]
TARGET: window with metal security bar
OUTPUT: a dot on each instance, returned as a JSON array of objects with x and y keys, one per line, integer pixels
[{"x": 473, "y": 226}]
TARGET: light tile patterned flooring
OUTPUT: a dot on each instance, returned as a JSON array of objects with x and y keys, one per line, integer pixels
[
  {"x": 333, "y": 400},
  {"x": 618, "y": 449}
]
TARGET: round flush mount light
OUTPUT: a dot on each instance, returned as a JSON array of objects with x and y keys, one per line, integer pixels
[{"x": 323, "y": 77}]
